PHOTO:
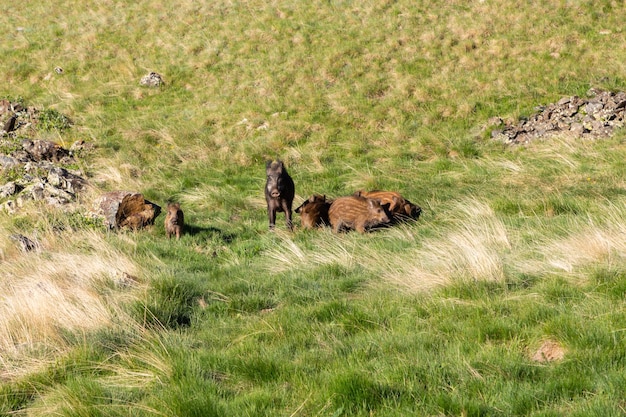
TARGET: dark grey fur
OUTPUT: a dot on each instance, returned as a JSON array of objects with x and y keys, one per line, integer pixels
[{"x": 279, "y": 192}]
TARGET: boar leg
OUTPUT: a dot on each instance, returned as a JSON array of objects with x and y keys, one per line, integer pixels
[
  {"x": 271, "y": 214},
  {"x": 287, "y": 210}
]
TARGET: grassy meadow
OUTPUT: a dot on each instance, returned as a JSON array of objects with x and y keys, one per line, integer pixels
[{"x": 506, "y": 298}]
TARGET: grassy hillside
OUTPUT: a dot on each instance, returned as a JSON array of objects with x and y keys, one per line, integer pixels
[{"x": 507, "y": 297}]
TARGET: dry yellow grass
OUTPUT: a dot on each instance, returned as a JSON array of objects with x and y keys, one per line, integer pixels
[
  {"x": 596, "y": 243},
  {"x": 473, "y": 247},
  {"x": 57, "y": 288}
]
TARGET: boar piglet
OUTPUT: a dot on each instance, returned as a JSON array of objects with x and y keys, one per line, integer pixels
[
  {"x": 314, "y": 211},
  {"x": 279, "y": 192},
  {"x": 400, "y": 207},
  {"x": 358, "y": 213},
  {"x": 174, "y": 220}
]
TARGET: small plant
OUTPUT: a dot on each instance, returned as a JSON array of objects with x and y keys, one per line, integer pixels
[
  {"x": 50, "y": 119},
  {"x": 11, "y": 174}
]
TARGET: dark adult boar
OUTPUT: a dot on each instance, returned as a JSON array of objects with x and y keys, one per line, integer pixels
[
  {"x": 279, "y": 192},
  {"x": 174, "y": 220},
  {"x": 360, "y": 213},
  {"x": 400, "y": 207},
  {"x": 314, "y": 211}
]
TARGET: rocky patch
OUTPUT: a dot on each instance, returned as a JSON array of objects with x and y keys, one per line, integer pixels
[
  {"x": 35, "y": 169},
  {"x": 592, "y": 118}
]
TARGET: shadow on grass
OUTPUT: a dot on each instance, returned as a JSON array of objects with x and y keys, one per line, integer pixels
[{"x": 209, "y": 231}]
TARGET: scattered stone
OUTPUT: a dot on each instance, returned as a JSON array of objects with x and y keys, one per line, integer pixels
[
  {"x": 26, "y": 245},
  {"x": 126, "y": 209},
  {"x": 153, "y": 79},
  {"x": 7, "y": 162},
  {"x": 592, "y": 118},
  {"x": 9, "y": 125},
  {"x": 43, "y": 150},
  {"x": 80, "y": 146},
  {"x": 38, "y": 164},
  {"x": 42, "y": 181},
  {"x": 63, "y": 179},
  {"x": 9, "y": 206},
  {"x": 9, "y": 189}
]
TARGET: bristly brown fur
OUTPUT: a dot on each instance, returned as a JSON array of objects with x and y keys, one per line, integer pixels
[
  {"x": 314, "y": 211},
  {"x": 359, "y": 213},
  {"x": 174, "y": 220},
  {"x": 401, "y": 208}
]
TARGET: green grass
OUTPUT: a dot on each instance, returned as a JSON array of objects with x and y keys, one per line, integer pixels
[{"x": 516, "y": 246}]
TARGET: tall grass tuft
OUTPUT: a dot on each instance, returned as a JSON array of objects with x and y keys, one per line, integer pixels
[
  {"x": 56, "y": 291},
  {"x": 472, "y": 247}
]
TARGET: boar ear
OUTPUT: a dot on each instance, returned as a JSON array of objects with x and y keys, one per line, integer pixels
[{"x": 358, "y": 193}]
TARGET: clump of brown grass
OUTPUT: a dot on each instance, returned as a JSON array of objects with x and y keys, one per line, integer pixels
[
  {"x": 472, "y": 248},
  {"x": 597, "y": 242}
]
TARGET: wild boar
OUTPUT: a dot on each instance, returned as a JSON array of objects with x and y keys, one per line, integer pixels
[
  {"x": 174, "y": 221},
  {"x": 401, "y": 208},
  {"x": 279, "y": 192},
  {"x": 360, "y": 213},
  {"x": 314, "y": 211}
]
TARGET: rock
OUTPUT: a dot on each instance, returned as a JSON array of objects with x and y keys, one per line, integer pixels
[
  {"x": 42, "y": 150},
  {"x": 34, "y": 191},
  {"x": 9, "y": 125},
  {"x": 9, "y": 189},
  {"x": 127, "y": 209},
  {"x": 25, "y": 243},
  {"x": 153, "y": 79},
  {"x": 8, "y": 161},
  {"x": 80, "y": 146},
  {"x": 65, "y": 180},
  {"x": 577, "y": 128},
  {"x": 9, "y": 206},
  {"x": 593, "y": 107}
]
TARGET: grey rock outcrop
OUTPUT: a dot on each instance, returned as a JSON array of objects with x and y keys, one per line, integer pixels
[
  {"x": 592, "y": 118},
  {"x": 32, "y": 169},
  {"x": 152, "y": 79}
]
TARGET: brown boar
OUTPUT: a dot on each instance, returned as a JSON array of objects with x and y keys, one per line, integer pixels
[
  {"x": 314, "y": 211},
  {"x": 401, "y": 208},
  {"x": 279, "y": 192},
  {"x": 174, "y": 220},
  {"x": 360, "y": 213}
]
